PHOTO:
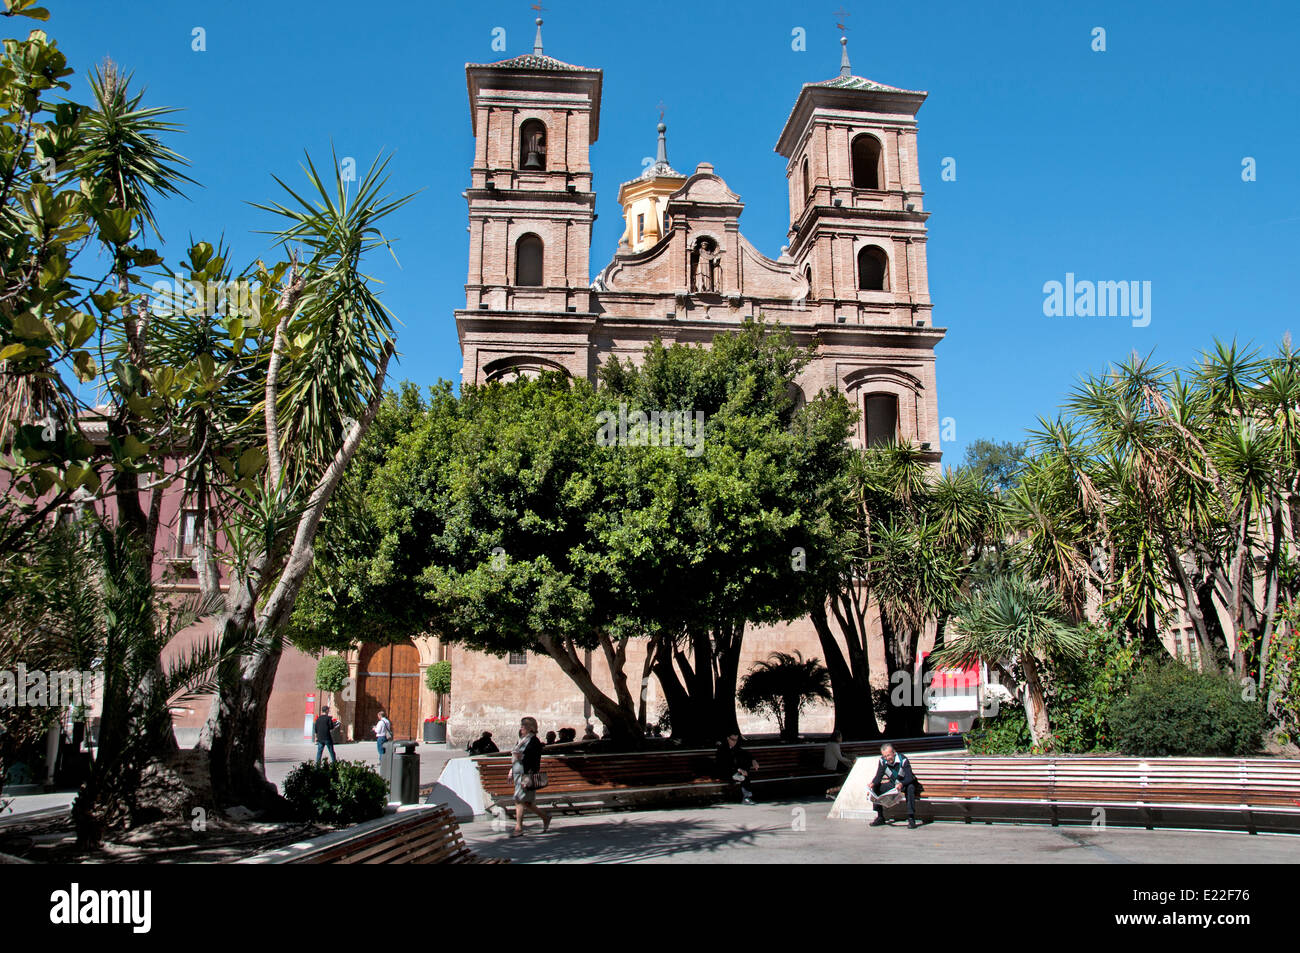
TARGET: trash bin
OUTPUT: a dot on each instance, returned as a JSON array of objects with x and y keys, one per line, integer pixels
[
  {"x": 386, "y": 762},
  {"x": 404, "y": 772}
]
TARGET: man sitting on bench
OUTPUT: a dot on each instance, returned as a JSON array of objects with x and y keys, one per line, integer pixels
[{"x": 894, "y": 775}]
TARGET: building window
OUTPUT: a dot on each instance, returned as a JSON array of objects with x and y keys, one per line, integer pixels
[
  {"x": 532, "y": 146},
  {"x": 873, "y": 267},
  {"x": 807, "y": 276},
  {"x": 187, "y": 539},
  {"x": 665, "y": 223},
  {"x": 807, "y": 181},
  {"x": 518, "y": 658},
  {"x": 528, "y": 261},
  {"x": 640, "y": 227},
  {"x": 866, "y": 162},
  {"x": 882, "y": 419}
]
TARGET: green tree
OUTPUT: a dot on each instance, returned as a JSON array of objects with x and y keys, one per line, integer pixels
[
  {"x": 997, "y": 463},
  {"x": 745, "y": 532}
]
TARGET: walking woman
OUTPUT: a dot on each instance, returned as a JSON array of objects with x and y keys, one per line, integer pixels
[{"x": 525, "y": 765}]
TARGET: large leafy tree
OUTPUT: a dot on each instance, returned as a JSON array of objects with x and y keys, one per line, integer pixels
[
  {"x": 746, "y": 532},
  {"x": 488, "y": 515},
  {"x": 504, "y": 523}
]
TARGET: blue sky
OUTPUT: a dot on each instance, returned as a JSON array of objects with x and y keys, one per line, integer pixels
[{"x": 1116, "y": 165}]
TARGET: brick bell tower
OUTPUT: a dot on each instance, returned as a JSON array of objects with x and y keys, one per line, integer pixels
[
  {"x": 857, "y": 236},
  {"x": 531, "y": 212}
]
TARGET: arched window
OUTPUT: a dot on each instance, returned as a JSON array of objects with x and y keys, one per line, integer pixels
[
  {"x": 882, "y": 419},
  {"x": 807, "y": 274},
  {"x": 866, "y": 162},
  {"x": 807, "y": 180},
  {"x": 528, "y": 261},
  {"x": 532, "y": 146},
  {"x": 873, "y": 269}
]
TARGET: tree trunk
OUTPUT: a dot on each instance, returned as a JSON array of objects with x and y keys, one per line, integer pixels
[
  {"x": 790, "y": 727},
  {"x": 907, "y": 719},
  {"x": 1040, "y": 730},
  {"x": 855, "y": 717},
  {"x": 235, "y": 732},
  {"x": 620, "y": 716},
  {"x": 701, "y": 687}
]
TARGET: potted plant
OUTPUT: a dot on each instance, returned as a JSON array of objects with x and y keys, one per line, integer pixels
[
  {"x": 435, "y": 730},
  {"x": 332, "y": 676},
  {"x": 437, "y": 678}
]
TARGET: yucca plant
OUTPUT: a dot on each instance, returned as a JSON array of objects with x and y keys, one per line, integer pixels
[{"x": 1015, "y": 623}]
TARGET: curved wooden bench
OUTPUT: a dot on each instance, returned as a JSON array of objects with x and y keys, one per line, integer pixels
[
  {"x": 636, "y": 778},
  {"x": 1253, "y": 794}
]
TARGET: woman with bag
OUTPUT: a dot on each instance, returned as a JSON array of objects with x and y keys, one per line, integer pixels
[{"x": 526, "y": 771}]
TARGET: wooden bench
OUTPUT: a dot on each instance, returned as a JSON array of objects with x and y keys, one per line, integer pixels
[
  {"x": 1254, "y": 794},
  {"x": 635, "y": 779},
  {"x": 429, "y": 836}
]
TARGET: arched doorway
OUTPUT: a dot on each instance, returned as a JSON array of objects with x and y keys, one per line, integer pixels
[{"x": 388, "y": 680}]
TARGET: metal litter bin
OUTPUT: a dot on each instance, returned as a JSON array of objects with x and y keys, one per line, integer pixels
[
  {"x": 404, "y": 773},
  {"x": 386, "y": 763}
]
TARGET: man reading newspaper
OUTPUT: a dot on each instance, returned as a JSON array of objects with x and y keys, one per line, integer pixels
[{"x": 893, "y": 782}]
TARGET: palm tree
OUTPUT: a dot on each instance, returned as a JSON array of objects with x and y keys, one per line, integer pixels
[
  {"x": 783, "y": 685},
  {"x": 1014, "y": 621}
]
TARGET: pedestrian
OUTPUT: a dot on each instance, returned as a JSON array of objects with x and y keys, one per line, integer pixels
[
  {"x": 383, "y": 732},
  {"x": 324, "y": 731},
  {"x": 735, "y": 764},
  {"x": 550, "y": 737},
  {"x": 526, "y": 772},
  {"x": 484, "y": 745},
  {"x": 833, "y": 760},
  {"x": 589, "y": 734},
  {"x": 894, "y": 776}
]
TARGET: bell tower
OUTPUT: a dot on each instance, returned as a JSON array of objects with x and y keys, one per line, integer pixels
[
  {"x": 531, "y": 212},
  {"x": 857, "y": 224},
  {"x": 857, "y": 236}
]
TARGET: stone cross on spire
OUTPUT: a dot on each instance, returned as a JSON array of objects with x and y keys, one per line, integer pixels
[{"x": 537, "y": 43}]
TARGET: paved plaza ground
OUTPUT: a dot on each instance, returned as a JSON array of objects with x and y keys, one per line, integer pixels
[
  {"x": 794, "y": 832},
  {"x": 769, "y": 833}
]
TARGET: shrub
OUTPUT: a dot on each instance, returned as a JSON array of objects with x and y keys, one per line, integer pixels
[
  {"x": 437, "y": 678},
  {"x": 331, "y": 673},
  {"x": 1171, "y": 709},
  {"x": 1005, "y": 733},
  {"x": 342, "y": 793},
  {"x": 1082, "y": 692}
]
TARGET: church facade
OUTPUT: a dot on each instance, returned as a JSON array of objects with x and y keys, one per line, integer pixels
[{"x": 851, "y": 282}]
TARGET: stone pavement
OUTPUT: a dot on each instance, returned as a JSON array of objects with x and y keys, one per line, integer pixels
[{"x": 769, "y": 833}]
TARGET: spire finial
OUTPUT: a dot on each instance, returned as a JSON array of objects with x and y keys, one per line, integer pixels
[
  {"x": 845, "y": 68},
  {"x": 537, "y": 43},
  {"x": 662, "y": 158}
]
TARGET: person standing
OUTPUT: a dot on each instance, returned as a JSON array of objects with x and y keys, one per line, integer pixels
[
  {"x": 324, "y": 731},
  {"x": 894, "y": 773},
  {"x": 525, "y": 766},
  {"x": 383, "y": 732},
  {"x": 733, "y": 763}
]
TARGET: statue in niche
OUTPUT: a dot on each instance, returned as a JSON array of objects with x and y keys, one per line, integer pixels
[{"x": 706, "y": 265}]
